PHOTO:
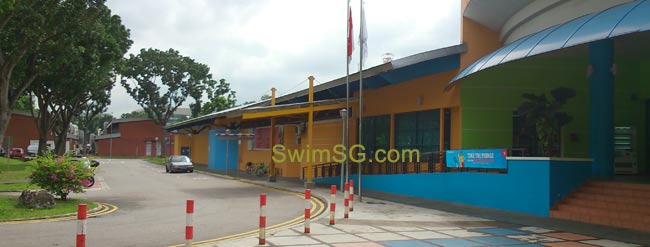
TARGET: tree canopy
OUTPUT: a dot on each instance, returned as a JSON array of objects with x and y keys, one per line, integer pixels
[
  {"x": 27, "y": 29},
  {"x": 134, "y": 114},
  {"x": 160, "y": 82}
]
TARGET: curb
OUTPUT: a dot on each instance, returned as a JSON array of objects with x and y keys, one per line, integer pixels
[
  {"x": 278, "y": 227},
  {"x": 51, "y": 217}
]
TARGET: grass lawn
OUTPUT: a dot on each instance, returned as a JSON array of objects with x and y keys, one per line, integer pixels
[
  {"x": 14, "y": 174},
  {"x": 157, "y": 160},
  {"x": 9, "y": 208}
]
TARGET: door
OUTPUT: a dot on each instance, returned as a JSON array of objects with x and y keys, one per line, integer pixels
[{"x": 148, "y": 149}]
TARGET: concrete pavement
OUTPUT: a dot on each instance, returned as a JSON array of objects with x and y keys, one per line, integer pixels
[{"x": 376, "y": 222}]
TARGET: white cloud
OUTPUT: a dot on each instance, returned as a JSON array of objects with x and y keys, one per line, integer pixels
[{"x": 256, "y": 45}]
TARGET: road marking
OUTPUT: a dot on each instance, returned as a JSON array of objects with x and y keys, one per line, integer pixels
[
  {"x": 104, "y": 208},
  {"x": 317, "y": 206}
]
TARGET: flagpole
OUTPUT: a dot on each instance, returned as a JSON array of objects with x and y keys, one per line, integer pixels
[
  {"x": 361, "y": 51},
  {"x": 346, "y": 131}
]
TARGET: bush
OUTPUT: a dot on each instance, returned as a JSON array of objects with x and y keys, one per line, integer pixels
[{"x": 62, "y": 175}]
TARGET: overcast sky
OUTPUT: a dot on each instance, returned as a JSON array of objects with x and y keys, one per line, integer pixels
[{"x": 259, "y": 44}]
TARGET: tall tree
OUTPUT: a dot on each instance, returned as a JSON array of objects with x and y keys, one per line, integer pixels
[
  {"x": 160, "y": 82},
  {"x": 26, "y": 27},
  {"x": 90, "y": 122},
  {"x": 134, "y": 114},
  {"x": 220, "y": 97},
  {"x": 82, "y": 69}
]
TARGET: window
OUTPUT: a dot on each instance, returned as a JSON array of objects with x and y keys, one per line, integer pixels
[
  {"x": 262, "y": 137},
  {"x": 524, "y": 142},
  {"x": 418, "y": 130},
  {"x": 375, "y": 133}
]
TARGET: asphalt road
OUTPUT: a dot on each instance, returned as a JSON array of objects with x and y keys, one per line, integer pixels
[{"x": 152, "y": 209}]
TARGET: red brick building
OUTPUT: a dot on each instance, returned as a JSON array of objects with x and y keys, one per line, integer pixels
[
  {"x": 22, "y": 130},
  {"x": 132, "y": 137}
]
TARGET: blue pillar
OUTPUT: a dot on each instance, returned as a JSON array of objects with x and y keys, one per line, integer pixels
[{"x": 601, "y": 107}]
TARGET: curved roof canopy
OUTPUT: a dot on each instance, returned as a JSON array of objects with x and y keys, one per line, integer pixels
[{"x": 616, "y": 21}]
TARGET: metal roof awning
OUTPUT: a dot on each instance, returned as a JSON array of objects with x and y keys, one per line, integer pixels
[{"x": 616, "y": 21}]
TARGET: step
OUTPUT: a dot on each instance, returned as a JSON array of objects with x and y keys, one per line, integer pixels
[
  {"x": 620, "y": 185},
  {"x": 611, "y": 198},
  {"x": 601, "y": 220},
  {"x": 615, "y": 191},
  {"x": 605, "y": 213},
  {"x": 633, "y": 208}
]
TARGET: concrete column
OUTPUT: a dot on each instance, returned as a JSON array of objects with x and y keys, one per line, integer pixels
[{"x": 601, "y": 107}]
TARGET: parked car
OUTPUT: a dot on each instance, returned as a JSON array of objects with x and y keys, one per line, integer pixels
[
  {"x": 3, "y": 153},
  {"x": 17, "y": 153},
  {"x": 179, "y": 163}
]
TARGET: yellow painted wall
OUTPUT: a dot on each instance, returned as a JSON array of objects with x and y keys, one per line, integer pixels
[
  {"x": 180, "y": 140},
  {"x": 199, "y": 148}
]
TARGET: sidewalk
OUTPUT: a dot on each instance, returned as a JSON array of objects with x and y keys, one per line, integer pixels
[{"x": 377, "y": 222}]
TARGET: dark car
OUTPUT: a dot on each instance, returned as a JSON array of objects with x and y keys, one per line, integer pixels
[
  {"x": 17, "y": 153},
  {"x": 179, "y": 163},
  {"x": 3, "y": 153}
]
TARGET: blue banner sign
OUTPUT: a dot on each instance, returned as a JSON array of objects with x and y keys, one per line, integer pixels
[{"x": 477, "y": 158}]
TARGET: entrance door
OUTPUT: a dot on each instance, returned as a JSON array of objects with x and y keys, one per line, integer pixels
[{"x": 148, "y": 148}]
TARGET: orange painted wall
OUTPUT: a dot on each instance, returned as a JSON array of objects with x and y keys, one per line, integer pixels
[
  {"x": 480, "y": 41},
  {"x": 403, "y": 97},
  {"x": 326, "y": 134}
]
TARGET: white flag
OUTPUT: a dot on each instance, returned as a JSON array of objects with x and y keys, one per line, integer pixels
[{"x": 363, "y": 36}]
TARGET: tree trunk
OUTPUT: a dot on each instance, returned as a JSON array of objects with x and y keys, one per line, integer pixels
[
  {"x": 162, "y": 141},
  {"x": 43, "y": 130},
  {"x": 5, "y": 113},
  {"x": 5, "y": 117}
]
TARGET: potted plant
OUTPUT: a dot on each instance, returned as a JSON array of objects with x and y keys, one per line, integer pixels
[{"x": 546, "y": 117}]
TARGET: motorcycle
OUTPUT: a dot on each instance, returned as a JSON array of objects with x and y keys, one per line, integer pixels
[{"x": 93, "y": 164}]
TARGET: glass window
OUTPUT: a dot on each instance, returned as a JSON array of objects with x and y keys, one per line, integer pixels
[
  {"x": 262, "y": 137},
  {"x": 376, "y": 133},
  {"x": 418, "y": 130}
]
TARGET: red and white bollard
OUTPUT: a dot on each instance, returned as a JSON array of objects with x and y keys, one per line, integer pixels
[
  {"x": 346, "y": 200},
  {"x": 332, "y": 203},
  {"x": 189, "y": 223},
  {"x": 351, "y": 195},
  {"x": 82, "y": 214},
  {"x": 307, "y": 209},
  {"x": 262, "y": 220}
]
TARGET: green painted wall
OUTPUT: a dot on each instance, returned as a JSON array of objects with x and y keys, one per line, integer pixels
[{"x": 489, "y": 98}]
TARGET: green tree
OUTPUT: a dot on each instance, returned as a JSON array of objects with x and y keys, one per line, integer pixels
[
  {"x": 220, "y": 97},
  {"x": 134, "y": 114},
  {"x": 91, "y": 117},
  {"x": 24, "y": 103},
  {"x": 28, "y": 27},
  {"x": 546, "y": 116},
  {"x": 160, "y": 82},
  {"x": 81, "y": 69}
]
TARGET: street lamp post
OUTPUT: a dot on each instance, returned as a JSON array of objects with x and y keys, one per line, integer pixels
[
  {"x": 110, "y": 149},
  {"x": 344, "y": 118}
]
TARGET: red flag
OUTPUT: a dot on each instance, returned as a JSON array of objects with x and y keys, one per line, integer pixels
[{"x": 350, "y": 37}]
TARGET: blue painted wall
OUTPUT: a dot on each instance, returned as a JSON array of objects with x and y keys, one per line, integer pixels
[
  {"x": 217, "y": 152},
  {"x": 526, "y": 188},
  {"x": 566, "y": 176}
]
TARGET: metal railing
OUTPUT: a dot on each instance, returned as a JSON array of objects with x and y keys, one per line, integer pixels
[{"x": 433, "y": 162}]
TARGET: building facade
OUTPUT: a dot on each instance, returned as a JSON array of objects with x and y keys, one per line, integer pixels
[
  {"x": 468, "y": 97},
  {"x": 139, "y": 137}
]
